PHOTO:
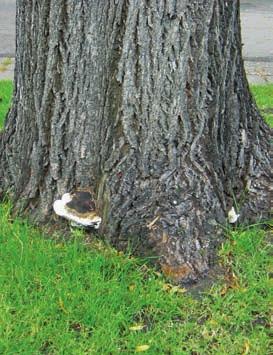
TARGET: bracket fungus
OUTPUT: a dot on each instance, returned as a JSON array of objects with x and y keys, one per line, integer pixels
[
  {"x": 232, "y": 216},
  {"x": 79, "y": 208}
]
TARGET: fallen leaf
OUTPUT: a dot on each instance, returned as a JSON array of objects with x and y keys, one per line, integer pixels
[
  {"x": 178, "y": 289},
  {"x": 132, "y": 287},
  {"x": 173, "y": 289},
  {"x": 137, "y": 327},
  {"x": 142, "y": 348},
  {"x": 246, "y": 348},
  {"x": 166, "y": 287}
]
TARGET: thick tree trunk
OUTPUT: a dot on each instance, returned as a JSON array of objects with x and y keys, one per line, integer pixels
[{"x": 147, "y": 103}]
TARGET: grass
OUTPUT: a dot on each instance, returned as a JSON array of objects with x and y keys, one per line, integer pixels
[
  {"x": 62, "y": 297},
  {"x": 5, "y": 99},
  {"x": 71, "y": 298},
  {"x": 6, "y": 61},
  {"x": 4, "y": 64},
  {"x": 264, "y": 98}
]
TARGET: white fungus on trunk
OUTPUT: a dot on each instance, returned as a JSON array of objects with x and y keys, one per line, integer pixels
[
  {"x": 232, "y": 216},
  {"x": 76, "y": 215}
]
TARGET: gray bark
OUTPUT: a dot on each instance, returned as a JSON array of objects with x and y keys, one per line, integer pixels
[{"x": 147, "y": 103}]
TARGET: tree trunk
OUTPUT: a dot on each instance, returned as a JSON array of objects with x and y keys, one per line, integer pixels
[{"x": 147, "y": 103}]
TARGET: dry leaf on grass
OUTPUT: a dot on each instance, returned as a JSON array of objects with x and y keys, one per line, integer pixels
[
  {"x": 173, "y": 289},
  {"x": 142, "y": 348},
  {"x": 246, "y": 348},
  {"x": 137, "y": 327}
]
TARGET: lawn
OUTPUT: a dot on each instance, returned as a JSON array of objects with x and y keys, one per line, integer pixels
[
  {"x": 75, "y": 297},
  {"x": 264, "y": 98},
  {"x": 5, "y": 99},
  {"x": 4, "y": 64}
]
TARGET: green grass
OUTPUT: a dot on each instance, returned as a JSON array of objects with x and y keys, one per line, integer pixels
[
  {"x": 71, "y": 298},
  {"x": 5, "y": 99},
  {"x": 264, "y": 98},
  {"x": 60, "y": 297}
]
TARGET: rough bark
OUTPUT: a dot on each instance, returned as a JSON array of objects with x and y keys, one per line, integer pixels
[{"x": 147, "y": 103}]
